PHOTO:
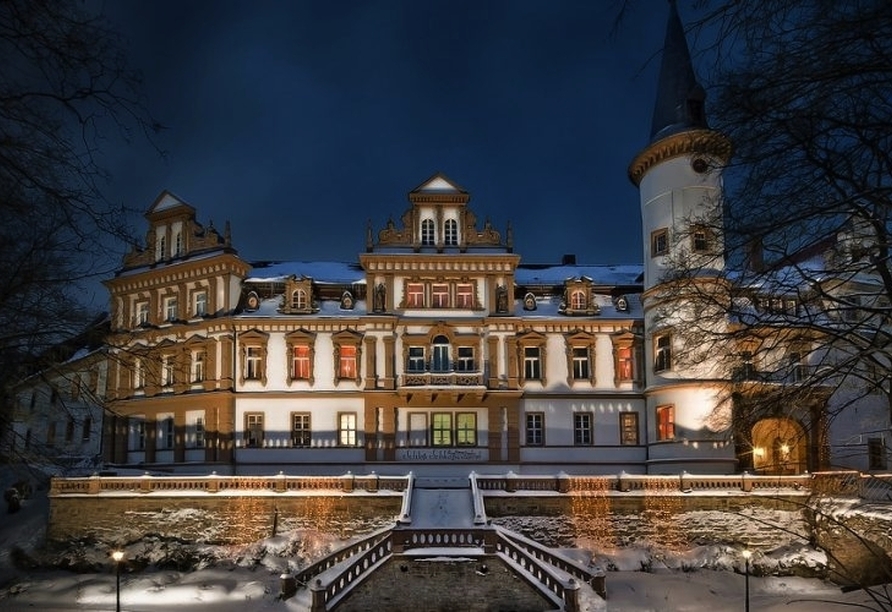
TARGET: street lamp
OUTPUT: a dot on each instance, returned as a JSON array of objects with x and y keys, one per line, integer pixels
[
  {"x": 118, "y": 556},
  {"x": 747, "y": 553}
]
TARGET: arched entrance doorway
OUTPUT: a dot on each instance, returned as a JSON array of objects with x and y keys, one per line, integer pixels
[{"x": 780, "y": 446}]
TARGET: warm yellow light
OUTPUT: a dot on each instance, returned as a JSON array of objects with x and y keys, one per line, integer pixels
[
  {"x": 118, "y": 555},
  {"x": 759, "y": 452},
  {"x": 785, "y": 448},
  {"x": 747, "y": 553}
]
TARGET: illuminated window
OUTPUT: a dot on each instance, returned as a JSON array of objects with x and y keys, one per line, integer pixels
[
  {"x": 415, "y": 361},
  {"x": 663, "y": 353},
  {"x": 659, "y": 242},
  {"x": 253, "y": 363},
  {"x": 440, "y": 355},
  {"x": 582, "y": 428},
  {"x": 414, "y": 295},
  {"x": 532, "y": 363},
  {"x": 665, "y": 422},
  {"x": 427, "y": 232},
  {"x": 628, "y": 428},
  {"x": 440, "y": 295},
  {"x": 300, "y": 362},
  {"x": 347, "y": 429},
  {"x": 464, "y": 295},
  {"x": 254, "y": 429},
  {"x": 580, "y": 363},
  {"x": 466, "y": 429},
  {"x": 577, "y": 300},
  {"x": 624, "y": 367},
  {"x": 441, "y": 429},
  {"x": 450, "y": 233},
  {"x": 300, "y": 429},
  {"x": 465, "y": 359},
  {"x": 347, "y": 362},
  {"x": 535, "y": 430}
]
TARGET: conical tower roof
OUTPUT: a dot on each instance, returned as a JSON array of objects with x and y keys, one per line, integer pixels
[{"x": 679, "y": 103}]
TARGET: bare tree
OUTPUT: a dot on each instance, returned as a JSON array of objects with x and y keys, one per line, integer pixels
[
  {"x": 799, "y": 317},
  {"x": 65, "y": 92}
]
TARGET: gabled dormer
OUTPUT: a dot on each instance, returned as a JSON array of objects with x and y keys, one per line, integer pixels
[
  {"x": 298, "y": 297},
  {"x": 175, "y": 234},
  {"x": 579, "y": 297},
  {"x": 439, "y": 220}
]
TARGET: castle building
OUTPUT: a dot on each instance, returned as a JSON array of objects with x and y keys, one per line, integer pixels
[{"x": 440, "y": 351}]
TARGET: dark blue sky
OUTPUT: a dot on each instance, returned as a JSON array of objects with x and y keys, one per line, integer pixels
[{"x": 299, "y": 121}]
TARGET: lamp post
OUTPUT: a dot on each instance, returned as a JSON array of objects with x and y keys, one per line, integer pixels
[
  {"x": 747, "y": 553},
  {"x": 118, "y": 556}
]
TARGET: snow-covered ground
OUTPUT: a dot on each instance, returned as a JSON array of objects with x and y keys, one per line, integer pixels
[{"x": 247, "y": 578}]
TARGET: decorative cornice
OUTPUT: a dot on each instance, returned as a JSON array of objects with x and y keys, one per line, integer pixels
[{"x": 690, "y": 142}]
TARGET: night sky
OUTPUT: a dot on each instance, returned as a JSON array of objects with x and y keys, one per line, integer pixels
[{"x": 300, "y": 121}]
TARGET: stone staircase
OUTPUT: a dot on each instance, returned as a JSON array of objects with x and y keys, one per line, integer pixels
[{"x": 442, "y": 520}]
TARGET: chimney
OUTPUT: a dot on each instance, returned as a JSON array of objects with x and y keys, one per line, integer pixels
[{"x": 569, "y": 259}]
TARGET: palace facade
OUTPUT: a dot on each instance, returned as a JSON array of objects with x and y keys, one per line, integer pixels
[{"x": 439, "y": 351}]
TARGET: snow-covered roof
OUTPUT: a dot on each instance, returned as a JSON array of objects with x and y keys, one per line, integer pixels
[
  {"x": 599, "y": 274},
  {"x": 331, "y": 272}
]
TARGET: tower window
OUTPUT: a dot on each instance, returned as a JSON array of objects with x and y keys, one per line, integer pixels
[
  {"x": 663, "y": 353},
  {"x": 659, "y": 242}
]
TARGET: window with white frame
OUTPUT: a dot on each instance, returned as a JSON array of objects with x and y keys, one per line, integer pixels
[
  {"x": 415, "y": 361},
  {"x": 427, "y": 232},
  {"x": 347, "y": 429},
  {"x": 464, "y": 295},
  {"x": 253, "y": 429},
  {"x": 178, "y": 244},
  {"x": 535, "y": 429},
  {"x": 199, "y": 432},
  {"x": 170, "y": 308},
  {"x": 578, "y": 300},
  {"x": 663, "y": 353},
  {"x": 414, "y": 295},
  {"x": 347, "y": 362},
  {"x": 161, "y": 246},
  {"x": 450, "y": 233},
  {"x": 198, "y": 366},
  {"x": 299, "y": 299},
  {"x": 167, "y": 370},
  {"x": 466, "y": 429},
  {"x": 440, "y": 355},
  {"x": 659, "y": 242},
  {"x": 580, "y": 358},
  {"x": 142, "y": 313},
  {"x": 166, "y": 432},
  {"x": 300, "y": 362},
  {"x": 465, "y": 359},
  {"x": 532, "y": 363},
  {"x": 201, "y": 304},
  {"x": 440, "y": 295},
  {"x": 139, "y": 374},
  {"x": 253, "y": 363},
  {"x": 441, "y": 429},
  {"x": 582, "y": 428},
  {"x": 300, "y": 429}
]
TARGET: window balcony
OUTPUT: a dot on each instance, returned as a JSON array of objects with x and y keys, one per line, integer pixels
[{"x": 441, "y": 379}]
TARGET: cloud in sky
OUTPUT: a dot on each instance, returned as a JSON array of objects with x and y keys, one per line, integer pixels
[{"x": 301, "y": 121}]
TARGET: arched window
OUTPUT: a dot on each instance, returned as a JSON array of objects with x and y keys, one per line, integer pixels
[
  {"x": 450, "y": 233},
  {"x": 178, "y": 244},
  {"x": 440, "y": 354},
  {"x": 161, "y": 248},
  {"x": 427, "y": 232},
  {"x": 298, "y": 299},
  {"x": 577, "y": 300}
]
